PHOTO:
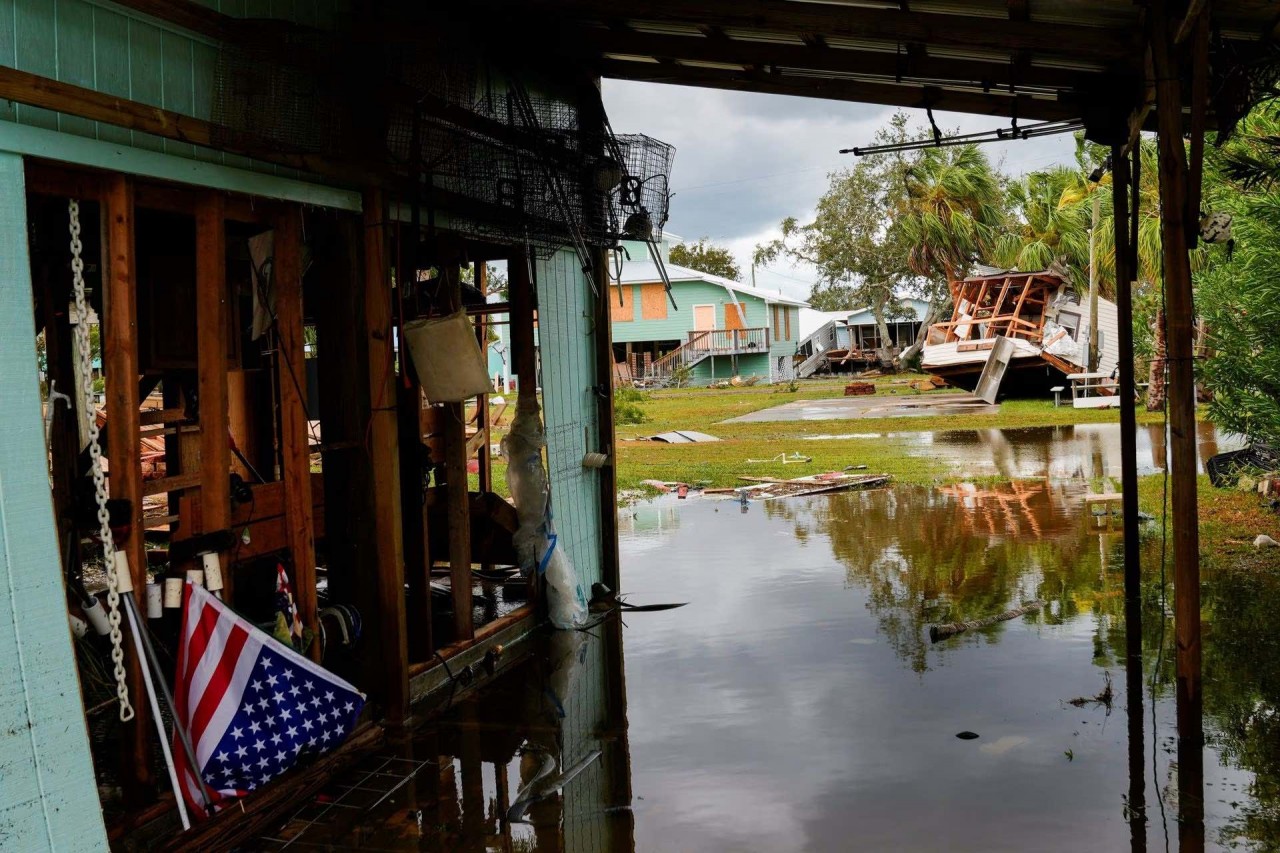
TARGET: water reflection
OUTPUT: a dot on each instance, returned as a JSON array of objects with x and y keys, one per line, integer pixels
[
  {"x": 1088, "y": 451},
  {"x": 797, "y": 703},
  {"x": 539, "y": 761}
]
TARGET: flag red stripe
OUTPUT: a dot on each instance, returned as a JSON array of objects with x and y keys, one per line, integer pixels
[
  {"x": 218, "y": 682},
  {"x": 199, "y": 642}
]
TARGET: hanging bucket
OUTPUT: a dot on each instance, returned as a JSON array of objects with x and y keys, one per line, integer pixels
[{"x": 450, "y": 364}]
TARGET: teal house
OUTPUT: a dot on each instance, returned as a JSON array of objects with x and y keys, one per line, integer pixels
[{"x": 708, "y": 329}]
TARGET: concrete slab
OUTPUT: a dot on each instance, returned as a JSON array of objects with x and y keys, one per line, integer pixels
[{"x": 861, "y": 408}]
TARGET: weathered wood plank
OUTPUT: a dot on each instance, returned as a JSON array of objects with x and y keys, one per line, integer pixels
[{"x": 459, "y": 503}]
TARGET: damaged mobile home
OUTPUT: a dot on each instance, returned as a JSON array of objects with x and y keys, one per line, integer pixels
[{"x": 388, "y": 151}]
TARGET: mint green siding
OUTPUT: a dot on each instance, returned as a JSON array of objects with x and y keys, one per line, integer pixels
[
  {"x": 679, "y": 323},
  {"x": 48, "y": 799}
]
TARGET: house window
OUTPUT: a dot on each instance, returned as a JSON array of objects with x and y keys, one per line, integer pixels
[
  {"x": 627, "y": 310},
  {"x": 653, "y": 302},
  {"x": 777, "y": 321}
]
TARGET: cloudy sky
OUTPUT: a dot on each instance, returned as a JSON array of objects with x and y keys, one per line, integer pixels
[{"x": 745, "y": 161}]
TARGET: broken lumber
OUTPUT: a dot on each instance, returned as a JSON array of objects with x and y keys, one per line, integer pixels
[{"x": 951, "y": 629}]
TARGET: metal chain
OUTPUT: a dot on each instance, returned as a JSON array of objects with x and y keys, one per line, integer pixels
[{"x": 95, "y": 456}]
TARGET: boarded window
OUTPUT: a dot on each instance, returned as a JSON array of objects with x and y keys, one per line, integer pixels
[
  {"x": 777, "y": 321},
  {"x": 732, "y": 318},
  {"x": 627, "y": 310},
  {"x": 786, "y": 314},
  {"x": 653, "y": 302}
]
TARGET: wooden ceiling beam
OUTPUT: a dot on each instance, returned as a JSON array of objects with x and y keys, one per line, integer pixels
[
  {"x": 993, "y": 104},
  {"x": 1092, "y": 43},
  {"x": 837, "y": 61}
]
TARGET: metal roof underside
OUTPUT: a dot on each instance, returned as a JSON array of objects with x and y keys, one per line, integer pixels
[{"x": 1033, "y": 60}]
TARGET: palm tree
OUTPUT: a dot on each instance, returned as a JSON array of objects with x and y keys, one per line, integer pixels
[
  {"x": 1050, "y": 225},
  {"x": 951, "y": 212}
]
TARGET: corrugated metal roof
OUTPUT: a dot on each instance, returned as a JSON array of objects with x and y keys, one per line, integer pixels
[{"x": 643, "y": 271}]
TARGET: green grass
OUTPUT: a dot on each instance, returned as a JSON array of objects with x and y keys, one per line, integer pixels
[{"x": 721, "y": 463}]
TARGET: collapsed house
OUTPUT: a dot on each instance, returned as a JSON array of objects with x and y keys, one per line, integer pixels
[{"x": 1028, "y": 331}]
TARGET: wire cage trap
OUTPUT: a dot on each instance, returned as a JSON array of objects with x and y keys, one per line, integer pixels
[{"x": 642, "y": 197}]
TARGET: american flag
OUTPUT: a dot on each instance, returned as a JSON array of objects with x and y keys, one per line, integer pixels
[{"x": 253, "y": 707}]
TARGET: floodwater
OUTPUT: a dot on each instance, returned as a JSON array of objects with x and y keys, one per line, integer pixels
[
  {"x": 871, "y": 406},
  {"x": 797, "y": 703}
]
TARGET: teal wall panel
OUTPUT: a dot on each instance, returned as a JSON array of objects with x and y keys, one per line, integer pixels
[
  {"x": 48, "y": 797},
  {"x": 569, "y": 409},
  {"x": 92, "y": 44}
]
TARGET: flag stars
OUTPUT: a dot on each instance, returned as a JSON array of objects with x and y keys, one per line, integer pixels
[
  {"x": 349, "y": 707},
  {"x": 288, "y": 674},
  {"x": 325, "y": 737},
  {"x": 277, "y": 698},
  {"x": 281, "y": 756},
  {"x": 266, "y": 662},
  {"x": 237, "y": 733},
  {"x": 294, "y": 691},
  {"x": 307, "y": 724},
  {"x": 328, "y": 696},
  {"x": 315, "y": 701},
  {"x": 275, "y": 739},
  {"x": 285, "y": 713},
  {"x": 248, "y": 708},
  {"x": 257, "y": 685},
  {"x": 223, "y": 757},
  {"x": 291, "y": 732},
  {"x": 254, "y": 726},
  {"x": 263, "y": 762},
  {"x": 241, "y": 752},
  {"x": 272, "y": 681},
  {"x": 263, "y": 703},
  {"x": 310, "y": 685},
  {"x": 259, "y": 745}
]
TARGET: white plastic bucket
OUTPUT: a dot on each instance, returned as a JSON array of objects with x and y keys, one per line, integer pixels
[{"x": 450, "y": 364}]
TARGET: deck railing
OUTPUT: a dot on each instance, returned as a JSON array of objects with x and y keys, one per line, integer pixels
[{"x": 705, "y": 343}]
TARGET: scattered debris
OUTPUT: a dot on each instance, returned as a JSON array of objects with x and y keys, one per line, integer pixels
[
  {"x": 740, "y": 382},
  {"x": 967, "y": 735},
  {"x": 767, "y": 488},
  {"x": 859, "y": 389},
  {"x": 1265, "y": 541},
  {"x": 1070, "y": 754},
  {"x": 784, "y": 459},
  {"x": 951, "y": 629},
  {"x": 1104, "y": 699},
  {"x": 682, "y": 437}
]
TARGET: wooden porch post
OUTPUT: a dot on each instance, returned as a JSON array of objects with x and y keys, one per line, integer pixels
[
  {"x": 1126, "y": 265},
  {"x": 295, "y": 449},
  {"x": 1182, "y": 424},
  {"x": 384, "y": 462},
  {"x": 120, "y": 362}
]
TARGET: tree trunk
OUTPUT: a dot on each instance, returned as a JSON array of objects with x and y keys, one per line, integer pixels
[
  {"x": 921, "y": 337},
  {"x": 882, "y": 327},
  {"x": 1155, "y": 391}
]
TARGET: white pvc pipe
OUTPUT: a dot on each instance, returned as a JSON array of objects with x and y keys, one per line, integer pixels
[{"x": 136, "y": 631}]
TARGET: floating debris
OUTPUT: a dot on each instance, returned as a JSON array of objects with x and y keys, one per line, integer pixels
[
  {"x": 942, "y": 632},
  {"x": 967, "y": 735}
]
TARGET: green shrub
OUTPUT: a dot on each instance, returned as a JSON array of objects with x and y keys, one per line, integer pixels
[{"x": 626, "y": 412}]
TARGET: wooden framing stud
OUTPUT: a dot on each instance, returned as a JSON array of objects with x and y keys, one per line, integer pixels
[
  {"x": 384, "y": 455},
  {"x": 211, "y": 336},
  {"x": 295, "y": 446},
  {"x": 120, "y": 362}
]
